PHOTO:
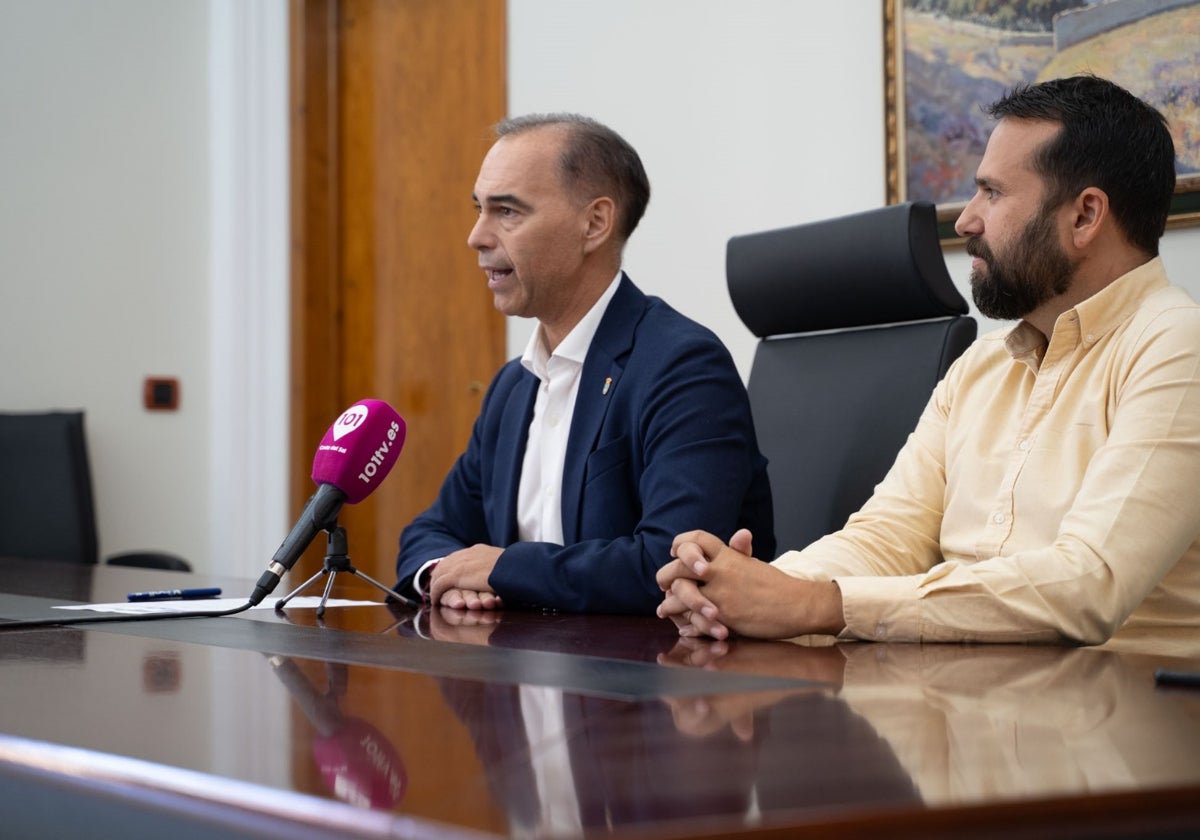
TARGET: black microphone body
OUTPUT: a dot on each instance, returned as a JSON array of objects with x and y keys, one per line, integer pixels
[
  {"x": 319, "y": 515},
  {"x": 320, "y": 709}
]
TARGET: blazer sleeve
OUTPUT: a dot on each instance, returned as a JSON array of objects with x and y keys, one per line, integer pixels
[{"x": 458, "y": 517}]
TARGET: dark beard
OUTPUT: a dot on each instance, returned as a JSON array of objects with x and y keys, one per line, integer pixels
[{"x": 1035, "y": 270}]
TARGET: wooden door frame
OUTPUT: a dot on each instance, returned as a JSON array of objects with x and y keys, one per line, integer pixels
[{"x": 377, "y": 242}]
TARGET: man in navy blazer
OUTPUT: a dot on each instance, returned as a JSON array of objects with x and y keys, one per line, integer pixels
[{"x": 623, "y": 424}]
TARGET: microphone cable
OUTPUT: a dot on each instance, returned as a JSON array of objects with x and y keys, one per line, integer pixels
[{"x": 31, "y": 623}]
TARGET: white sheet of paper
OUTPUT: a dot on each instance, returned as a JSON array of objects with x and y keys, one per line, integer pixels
[{"x": 211, "y": 605}]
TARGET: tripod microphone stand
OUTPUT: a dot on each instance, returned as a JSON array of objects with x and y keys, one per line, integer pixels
[{"x": 336, "y": 560}]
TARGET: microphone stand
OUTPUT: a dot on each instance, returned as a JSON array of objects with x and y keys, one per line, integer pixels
[{"x": 336, "y": 560}]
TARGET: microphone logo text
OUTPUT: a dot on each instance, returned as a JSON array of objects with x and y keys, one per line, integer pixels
[{"x": 380, "y": 454}]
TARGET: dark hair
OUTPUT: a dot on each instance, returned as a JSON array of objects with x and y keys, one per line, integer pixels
[
  {"x": 595, "y": 161},
  {"x": 1109, "y": 139}
]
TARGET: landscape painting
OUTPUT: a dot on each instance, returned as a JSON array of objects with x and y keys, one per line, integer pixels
[{"x": 946, "y": 58}]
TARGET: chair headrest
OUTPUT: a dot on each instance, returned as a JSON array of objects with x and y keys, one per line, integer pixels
[{"x": 883, "y": 266}]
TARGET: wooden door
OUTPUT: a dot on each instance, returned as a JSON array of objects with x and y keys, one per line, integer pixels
[{"x": 392, "y": 104}]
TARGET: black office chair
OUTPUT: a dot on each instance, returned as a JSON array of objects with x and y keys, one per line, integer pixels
[
  {"x": 859, "y": 320},
  {"x": 46, "y": 507}
]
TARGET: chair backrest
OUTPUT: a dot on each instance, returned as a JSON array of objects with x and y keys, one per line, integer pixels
[
  {"x": 46, "y": 508},
  {"x": 859, "y": 320}
]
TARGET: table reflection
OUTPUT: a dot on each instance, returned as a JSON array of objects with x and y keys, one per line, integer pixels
[
  {"x": 611, "y": 636},
  {"x": 357, "y": 762},
  {"x": 969, "y": 723},
  {"x": 561, "y": 763}
]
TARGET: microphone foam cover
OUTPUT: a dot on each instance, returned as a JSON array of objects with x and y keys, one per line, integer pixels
[{"x": 360, "y": 449}]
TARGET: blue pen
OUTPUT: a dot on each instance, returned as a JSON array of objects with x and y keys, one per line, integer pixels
[
  {"x": 173, "y": 594},
  {"x": 1165, "y": 676}
]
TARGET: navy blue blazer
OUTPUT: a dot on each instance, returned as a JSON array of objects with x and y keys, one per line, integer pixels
[{"x": 667, "y": 447}]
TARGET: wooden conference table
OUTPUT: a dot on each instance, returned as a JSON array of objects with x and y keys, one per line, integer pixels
[{"x": 376, "y": 722}]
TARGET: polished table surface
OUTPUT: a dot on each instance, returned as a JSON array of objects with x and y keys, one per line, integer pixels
[{"x": 385, "y": 722}]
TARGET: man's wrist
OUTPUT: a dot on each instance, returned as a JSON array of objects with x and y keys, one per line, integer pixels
[
  {"x": 420, "y": 581},
  {"x": 825, "y": 614},
  {"x": 835, "y": 618}
]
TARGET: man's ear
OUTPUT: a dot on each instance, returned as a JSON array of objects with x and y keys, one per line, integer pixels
[
  {"x": 600, "y": 221},
  {"x": 1089, "y": 214}
]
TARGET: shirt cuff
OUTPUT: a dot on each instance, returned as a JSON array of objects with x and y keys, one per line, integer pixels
[
  {"x": 881, "y": 609},
  {"x": 420, "y": 581}
]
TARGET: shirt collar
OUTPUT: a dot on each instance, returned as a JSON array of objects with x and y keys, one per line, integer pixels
[
  {"x": 1115, "y": 303},
  {"x": 574, "y": 346}
]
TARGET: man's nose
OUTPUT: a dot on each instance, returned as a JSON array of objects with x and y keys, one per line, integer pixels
[
  {"x": 969, "y": 222},
  {"x": 480, "y": 237}
]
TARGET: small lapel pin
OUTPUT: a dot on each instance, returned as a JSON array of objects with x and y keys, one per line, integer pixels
[{"x": 607, "y": 385}]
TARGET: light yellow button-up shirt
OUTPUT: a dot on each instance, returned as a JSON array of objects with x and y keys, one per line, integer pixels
[{"x": 1050, "y": 492}]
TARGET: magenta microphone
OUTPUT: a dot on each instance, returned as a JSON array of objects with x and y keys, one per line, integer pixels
[{"x": 353, "y": 458}]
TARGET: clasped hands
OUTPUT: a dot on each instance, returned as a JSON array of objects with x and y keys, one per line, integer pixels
[
  {"x": 710, "y": 589},
  {"x": 714, "y": 589}
]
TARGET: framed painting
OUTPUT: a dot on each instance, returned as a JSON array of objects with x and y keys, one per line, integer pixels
[{"x": 944, "y": 59}]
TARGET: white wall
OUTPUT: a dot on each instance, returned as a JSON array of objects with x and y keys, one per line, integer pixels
[
  {"x": 104, "y": 261},
  {"x": 143, "y": 210},
  {"x": 750, "y": 115},
  {"x": 143, "y": 231}
]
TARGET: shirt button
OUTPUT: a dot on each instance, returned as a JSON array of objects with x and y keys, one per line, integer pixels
[
  {"x": 998, "y": 518},
  {"x": 1089, "y": 338},
  {"x": 1023, "y": 445}
]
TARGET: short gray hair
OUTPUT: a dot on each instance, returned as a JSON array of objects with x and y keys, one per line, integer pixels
[{"x": 595, "y": 161}]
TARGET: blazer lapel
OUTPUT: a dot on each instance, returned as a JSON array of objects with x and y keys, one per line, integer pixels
[{"x": 598, "y": 383}]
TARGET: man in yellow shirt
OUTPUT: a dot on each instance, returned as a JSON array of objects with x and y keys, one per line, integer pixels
[{"x": 1048, "y": 493}]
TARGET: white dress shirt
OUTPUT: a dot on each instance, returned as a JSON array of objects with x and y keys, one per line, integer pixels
[{"x": 539, "y": 496}]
